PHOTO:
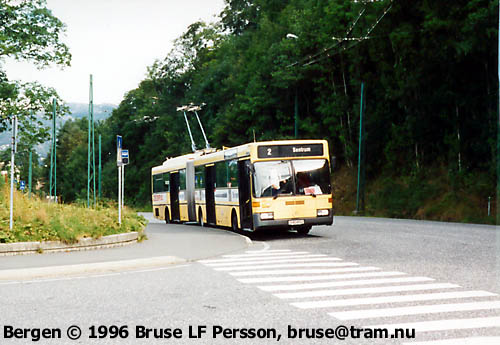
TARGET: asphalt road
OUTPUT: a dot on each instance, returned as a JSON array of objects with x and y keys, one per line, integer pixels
[{"x": 442, "y": 279}]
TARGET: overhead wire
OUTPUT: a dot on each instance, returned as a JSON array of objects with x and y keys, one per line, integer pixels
[{"x": 312, "y": 59}]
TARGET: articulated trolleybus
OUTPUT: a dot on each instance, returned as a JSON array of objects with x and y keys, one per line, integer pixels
[{"x": 261, "y": 185}]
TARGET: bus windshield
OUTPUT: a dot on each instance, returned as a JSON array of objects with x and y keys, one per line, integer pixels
[{"x": 291, "y": 177}]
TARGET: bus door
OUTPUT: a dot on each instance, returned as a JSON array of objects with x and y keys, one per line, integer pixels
[
  {"x": 174, "y": 196},
  {"x": 245, "y": 194},
  {"x": 210, "y": 193},
  {"x": 190, "y": 191}
]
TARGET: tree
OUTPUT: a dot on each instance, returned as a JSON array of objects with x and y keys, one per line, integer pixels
[{"x": 29, "y": 31}]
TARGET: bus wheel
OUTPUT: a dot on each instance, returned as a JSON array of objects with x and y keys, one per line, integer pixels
[
  {"x": 304, "y": 230},
  {"x": 167, "y": 216},
  {"x": 200, "y": 218},
  {"x": 234, "y": 222}
]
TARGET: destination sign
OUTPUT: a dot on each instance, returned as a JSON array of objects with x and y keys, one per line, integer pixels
[{"x": 280, "y": 151}]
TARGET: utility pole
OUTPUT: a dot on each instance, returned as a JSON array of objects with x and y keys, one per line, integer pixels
[
  {"x": 100, "y": 167},
  {"x": 91, "y": 149},
  {"x": 30, "y": 175},
  {"x": 360, "y": 196},
  {"x": 296, "y": 113},
  {"x": 55, "y": 146},
  {"x": 53, "y": 160},
  {"x": 12, "y": 167}
]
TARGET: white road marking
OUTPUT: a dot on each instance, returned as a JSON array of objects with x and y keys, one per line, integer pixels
[
  {"x": 302, "y": 264},
  {"x": 265, "y": 249},
  {"x": 267, "y": 261},
  {"x": 320, "y": 277},
  {"x": 415, "y": 310},
  {"x": 444, "y": 325},
  {"x": 263, "y": 258},
  {"x": 307, "y": 286},
  {"x": 391, "y": 299},
  {"x": 261, "y": 255},
  {"x": 88, "y": 268},
  {"x": 361, "y": 291},
  {"x": 460, "y": 341},
  {"x": 304, "y": 271},
  {"x": 103, "y": 275}
]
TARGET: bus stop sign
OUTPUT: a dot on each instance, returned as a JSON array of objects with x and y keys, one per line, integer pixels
[
  {"x": 22, "y": 185},
  {"x": 125, "y": 156}
]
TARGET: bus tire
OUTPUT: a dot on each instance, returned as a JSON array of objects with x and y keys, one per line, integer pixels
[
  {"x": 167, "y": 216},
  {"x": 304, "y": 230},
  {"x": 200, "y": 217},
  {"x": 234, "y": 222}
]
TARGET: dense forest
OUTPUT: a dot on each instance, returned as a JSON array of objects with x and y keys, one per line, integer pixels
[{"x": 429, "y": 70}]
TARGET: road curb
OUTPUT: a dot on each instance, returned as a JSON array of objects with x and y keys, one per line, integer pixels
[
  {"x": 23, "y": 248},
  {"x": 88, "y": 268}
]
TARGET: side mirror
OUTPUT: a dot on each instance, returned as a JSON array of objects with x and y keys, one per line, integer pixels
[{"x": 250, "y": 168}]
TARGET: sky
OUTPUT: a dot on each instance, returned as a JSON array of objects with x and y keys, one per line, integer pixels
[{"x": 115, "y": 41}]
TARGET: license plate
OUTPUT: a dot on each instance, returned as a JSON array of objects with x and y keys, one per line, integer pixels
[{"x": 296, "y": 222}]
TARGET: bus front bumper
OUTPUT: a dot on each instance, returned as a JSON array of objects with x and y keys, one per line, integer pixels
[{"x": 285, "y": 223}]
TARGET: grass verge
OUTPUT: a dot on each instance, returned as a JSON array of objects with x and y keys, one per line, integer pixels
[{"x": 38, "y": 220}]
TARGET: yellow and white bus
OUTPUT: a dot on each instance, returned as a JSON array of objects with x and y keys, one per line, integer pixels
[{"x": 261, "y": 185}]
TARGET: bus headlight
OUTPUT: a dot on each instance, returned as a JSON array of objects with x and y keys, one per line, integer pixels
[
  {"x": 267, "y": 216},
  {"x": 322, "y": 213}
]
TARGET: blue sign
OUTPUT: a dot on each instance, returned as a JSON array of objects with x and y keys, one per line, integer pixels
[
  {"x": 118, "y": 142},
  {"x": 22, "y": 185},
  {"x": 125, "y": 156},
  {"x": 119, "y": 150}
]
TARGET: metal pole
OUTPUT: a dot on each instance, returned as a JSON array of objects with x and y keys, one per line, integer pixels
[
  {"x": 51, "y": 163},
  {"x": 100, "y": 166},
  {"x": 193, "y": 146},
  {"x": 498, "y": 139},
  {"x": 360, "y": 148},
  {"x": 207, "y": 145},
  {"x": 55, "y": 146},
  {"x": 12, "y": 155},
  {"x": 93, "y": 154},
  {"x": 296, "y": 113},
  {"x": 119, "y": 196},
  {"x": 88, "y": 145},
  {"x": 123, "y": 185},
  {"x": 29, "y": 175}
]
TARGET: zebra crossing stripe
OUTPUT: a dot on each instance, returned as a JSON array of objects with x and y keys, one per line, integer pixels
[
  {"x": 444, "y": 325},
  {"x": 263, "y": 254},
  {"x": 308, "y": 286},
  {"x": 391, "y": 299},
  {"x": 460, "y": 341},
  {"x": 415, "y": 310},
  {"x": 292, "y": 265},
  {"x": 268, "y": 251},
  {"x": 302, "y": 271},
  {"x": 298, "y": 256},
  {"x": 258, "y": 262},
  {"x": 321, "y": 277},
  {"x": 361, "y": 291}
]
